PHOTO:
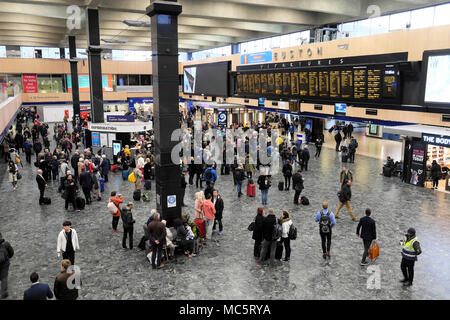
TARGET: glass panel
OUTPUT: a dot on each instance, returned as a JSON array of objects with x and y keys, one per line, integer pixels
[
  {"x": 2, "y": 51},
  {"x": 422, "y": 18},
  {"x": 44, "y": 82},
  {"x": 57, "y": 83},
  {"x": 399, "y": 21},
  {"x": 16, "y": 79},
  {"x": 266, "y": 44},
  {"x": 122, "y": 80},
  {"x": 275, "y": 43},
  {"x": 27, "y": 52},
  {"x": 146, "y": 80},
  {"x": 305, "y": 37},
  {"x": 133, "y": 80},
  {"x": 362, "y": 28},
  {"x": 379, "y": 25},
  {"x": 442, "y": 14}
]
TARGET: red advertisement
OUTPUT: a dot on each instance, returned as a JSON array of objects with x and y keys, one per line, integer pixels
[{"x": 29, "y": 83}]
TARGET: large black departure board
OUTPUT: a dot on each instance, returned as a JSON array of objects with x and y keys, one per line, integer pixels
[
  {"x": 304, "y": 87},
  {"x": 270, "y": 83},
  {"x": 324, "y": 84},
  {"x": 278, "y": 83},
  {"x": 360, "y": 82},
  {"x": 313, "y": 79},
  {"x": 374, "y": 87},
  {"x": 335, "y": 84},
  {"x": 286, "y": 83},
  {"x": 294, "y": 83},
  {"x": 390, "y": 83}
]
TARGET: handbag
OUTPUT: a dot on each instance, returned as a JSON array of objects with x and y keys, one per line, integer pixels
[
  {"x": 374, "y": 251},
  {"x": 251, "y": 226},
  {"x": 19, "y": 176}
]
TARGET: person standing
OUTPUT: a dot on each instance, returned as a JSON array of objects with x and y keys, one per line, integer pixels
[
  {"x": 345, "y": 176},
  {"x": 240, "y": 177},
  {"x": 436, "y": 174},
  {"x": 70, "y": 192},
  {"x": 104, "y": 167},
  {"x": 268, "y": 243},
  {"x": 157, "y": 233},
  {"x": 6, "y": 253},
  {"x": 352, "y": 149},
  {"x": 86, "y": 184},
  {"x": 139, "y": 175},
  {"x": 60, "y": 288},
  {"x": 218, "y": 205},
  {"x": 37, "y": 291},
  {"x": 297, "y": 183},
  {"x": 258, "y": 232},
  {"x": 128, "y": 221},
  {"x": 117, "y": 200},
  {"x": 305, "y": 158},
  {"x": 183, "y": 185},
  {"x": 326, "y": 221},
  {"x": 264, "y": 185},
  {"x": 28, "y": 147},
  {"x": 319, "y": 143},
  {"x": 338, "y": 139},
  {"x": 12, "y": 171},
  {"x": 74, "y": 162},
  {"x": 286, "y": 223},
  {"x": 287, "y": 173},
  {"x": 345, "y": 196},
  {"x": 42, "y": 184},
  {"x": 368, "y": 234},
  {"x": 67, "y": 242},
  {"x": 410, "y": 250},
  {"x": 208, "y": 208}
]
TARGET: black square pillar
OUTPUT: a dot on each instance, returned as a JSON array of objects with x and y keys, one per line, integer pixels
[
  {"x": 74, "y": 77},
  {"x": 95, "y": 66},
  {"x": 164, "y": 35}
]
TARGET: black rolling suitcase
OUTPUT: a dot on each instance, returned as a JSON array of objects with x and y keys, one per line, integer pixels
[
  {"x": 281, "y": 185},
  {"x": 279, "y": 250},
  {"x": 387, "y": 172},
  {"x": 345, "y": 157},
  {"x": 80, "y": 202},
  {"x": 137, "y": 195}
]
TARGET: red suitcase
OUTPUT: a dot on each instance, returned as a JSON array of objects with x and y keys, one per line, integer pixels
[
  {"x": 251, "y": 190},
  {"x": 114, "y": 168},
  {"x": 201, "y": 226}
]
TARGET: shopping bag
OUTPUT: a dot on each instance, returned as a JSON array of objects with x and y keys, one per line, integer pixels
[{"x": 374, "y": 251}]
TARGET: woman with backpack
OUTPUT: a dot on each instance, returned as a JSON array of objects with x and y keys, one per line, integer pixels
[
  {"x": 264, "y": 185},
  {"x": 286, "y": 223},
  {"x": 13, "y": 172}
]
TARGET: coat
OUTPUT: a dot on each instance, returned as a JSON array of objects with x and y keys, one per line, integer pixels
[
  {"x": 41, "y": 182},
  {"x": 285, "y": 226},
  {"x": 62, "y": 292},
  {"x": 138, "y": 174},
  {"x": 38, "y": 291},
  {"x": 219, "y": 207},
  {"x": 62, "y": 241},
  {"x": 258, "y": 230},
  {"x": 368, "y": 229},
  {"x": 268, "y": 226},
  {"x": 436, "y": 171}
]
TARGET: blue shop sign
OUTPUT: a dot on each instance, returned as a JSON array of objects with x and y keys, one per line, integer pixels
[
  {"x": 443, "y": 141},
  {"x": 259, "y": 57},
  {"x": 118, "y": 118}
]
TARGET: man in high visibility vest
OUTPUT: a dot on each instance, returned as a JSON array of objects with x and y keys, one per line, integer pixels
[{"x": 410, "y": 251}]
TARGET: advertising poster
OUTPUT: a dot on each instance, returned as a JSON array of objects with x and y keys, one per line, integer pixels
[
  {"x": 95, "y": 139},
  {"x": 29, "y": 83},
  {"x": 417, "y": 163},
  {"x": 83, "y": 82},
  {"x": 222, "y": 118}
]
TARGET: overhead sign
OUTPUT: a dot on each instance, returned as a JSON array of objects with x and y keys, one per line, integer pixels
[
  {"x": 119, "y": 118},
  {"x": 29, "y": 83},
  {"x": 443, "y": 141},
  {"x": 222, "y": 118},
  {"x": 259, "y": 57},
  {"x": 95, "y": 139},
  {"x": 171, "y": 201}
]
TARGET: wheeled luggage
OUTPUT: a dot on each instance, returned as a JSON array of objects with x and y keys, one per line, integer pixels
[
  {"x": 279, "y": 250},
  {"x": 102, "y": 184},
  {"x": 114, "y": 168},
  {"x": 80, "y": 202},
  {"x": 387, "y": 171},
  {"x": 137, "y": 195},
  {"x": 281, "y": 185},
  {"x": 201, "y": 227},
  {"x": 251, "y": 190}
]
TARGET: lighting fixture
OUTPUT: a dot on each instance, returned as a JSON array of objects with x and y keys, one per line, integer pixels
[
  {"x": 114, "y": 40},
  {"x": 136, "y": 23}
]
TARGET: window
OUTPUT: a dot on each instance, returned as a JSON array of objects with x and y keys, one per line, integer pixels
[
  {"x": 379, "y": 25},
  {"x": 243, "y": 47},
  {"x": 399, "y": 21},
  {"x": 27, "y": 52},
  {"x": 133, "y": 80},
  {"x": 182, "y": 56},
  {"x": 305, "y": 37},
  {"x": 275, "y": 43},
  {"x": 422, "y": 18},
  {"x": 146, "y": 79},
  {"x": 16, "y": 79},
  {"x": 2, "y": 51},
  {"x": 348, "y": 28},
  {"x": 442, "y": 14},
  {"x": 122, "y": 80},
  {"x": 362, "y": 28},
  {"x": 266, "y": 44}
]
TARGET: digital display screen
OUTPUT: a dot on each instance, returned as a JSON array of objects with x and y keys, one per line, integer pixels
[
  {"x": 245, "y": 83},
  {"x": 294, "y": 83},
  {"x": 278, "y": 84},
  {"x": 304, "y": 88},
  {"x": 347, "y": 84},
  {"x": 117, "y": 145},
  {"x": 239, "y": 83},
  {"x": 313, "y": 83},
  {"x": 286, "y": 84},
  {"x": 340, "y": 107},
  {"x": 95, "y": 139},
  {"x": 335, "y": 84},
  {"x": 261, "y": 101},
  {"x": 437, "y": 86},
  {"x": 390, "y": 83},
  {"x": 270, "y": 83},
  {"x": 360, "y": 83},
  {"x": 251, "y": 83},
  {"x": 189, "y": 79},
  {"x": 264, "y": 83},
  {"x": 374, "y": 87},
  {"x": 210, "y": 79},
  {"x": 257, "y": 83},
  {"x": 324, "y": 84}
]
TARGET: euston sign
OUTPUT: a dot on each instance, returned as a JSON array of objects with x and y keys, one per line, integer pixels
[{"x": 443, "y": 141}]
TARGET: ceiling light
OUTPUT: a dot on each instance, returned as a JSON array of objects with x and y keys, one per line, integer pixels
[
  {"x": 114, "y": 41},
  {"x": 136, "y": 23}
]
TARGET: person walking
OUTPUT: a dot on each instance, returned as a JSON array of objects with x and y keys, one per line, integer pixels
[
  {"x": 287, "y": 173},
  {"x": 183, "y": 185},
  {"x": 157, "y": 233},
  {"x": 286, "y": 223},
  {"x": 6, "y": 253},
  {"x": 326, "y": 220},
  {"x": 264, "y": 185},
  {"x": 305, "y": 158},
  {"x": 104, "y": 167},
  {"x": 37, "y": 291},
  {"x": 116, "y": 199},
  {"x": 258, "y": 232},
  {"x": 345, "y": 196},
  {"x": 210, "y": 211},
  {"x": 436, "y": 174},
  {"x": 345, "y": 176},
  {"x": 319, "y": 143},
  {"x": 297, "y": 183},
  {"x": 128, "y": 221},
  {"x": 86, "y": 184},
  {"x": 338, "y": 139},
  {"x": 269, "y": 241},
  {"x": 410, "y": 250},
  {"x": 240, "y": 177},
  {"x": 42, "y": 184},
  {"x": 366, "y": 230},
  {"x": 218, "y": 205},
  {"x": 67, "y": 242},
  {"x": 61, "y": 288},
  {"x": 13, "y": 172}
]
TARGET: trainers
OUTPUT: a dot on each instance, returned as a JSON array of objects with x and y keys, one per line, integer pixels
[
  {"x": 161, "y": 266},
  {"x": 404, "y": 280},
  {"x": 364, "y": 263},
  {"x": 324, "y": 256},
  {"x": 336, "y": 217},
  {"x": 219, "y": 233}
]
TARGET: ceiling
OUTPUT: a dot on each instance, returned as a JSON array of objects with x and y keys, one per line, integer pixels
[{"x": 203, "y": 24}]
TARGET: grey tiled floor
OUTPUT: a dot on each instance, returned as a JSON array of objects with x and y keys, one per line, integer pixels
[{"x": 227, "y": 270}]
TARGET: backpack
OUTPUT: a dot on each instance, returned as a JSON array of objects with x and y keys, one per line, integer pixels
[
  {"x": 146, "y": 197},
  {"x": 3, "y": 254},
  {"x": 304, "y": 200},
  {"x": 292, "y": 234},
  {"x": 112, "y": 208},
  {"x": 132, "y": 178},
  {"x": 325, "y": 222},
  {"x": 277, "y": 231},
  {"x": 208, "y": 174}
]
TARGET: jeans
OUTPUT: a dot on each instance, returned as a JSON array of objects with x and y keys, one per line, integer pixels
[
  {"x": 126, "y": 232},
  {"x": 4, "y": 279},
  {"x": 367, "y": 244},
  {"x": 70, "y": 255},
  {"x": 407, "y": 267},
  {"x": 287, "y": 247},
  {"x": 287, "y": 182},
  {"x": 220, "y": 224},
  {"x": 239, "y": 186},
  {"x": 264, "y": 196},
  {"x": 156, "y": 254},
  {"x": 266, "y": 246},
  {"x": 115, "y": 222},
  {"x": 209, "y": 226},
  {"x": 326, "y": 241},
  {"x": 349, "y": 208}
]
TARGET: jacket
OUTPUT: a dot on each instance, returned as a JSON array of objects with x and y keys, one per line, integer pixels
[
  {"x": 69, "y": 189},
  {"x": 41, "y": 182},
  {"x": 157, "y": 231},
  {"x": 62, "y": 241},
  {"x": 263, "y": 182},
  {"x": 38, "y": 291},
  {"x": 213, "y": 174},
  {"x": 297, "y": 181},
  {"x": 117, "y": 201},
  {"x": 104, "y": 166},
  {"x": 268, "y": 226},
  {"x": 285, "y": 225},
  {"x": 368, "y": 231},
  {"x": 4, "y": 245},
  {"x": 305, "y": 155},
  {"x": 62, "y": 292},
  {"x": 346, "y": 193},
  {"x": 127, "y": 218},
  {"x": 346, "y": 176},
  {"x": 287, "y": 170},
  {"x": 219, "y": 207},
  {"x": 436, "y": 171},
  {"x": 258, "y": 230},
  {"x": 86, "y": 180},
  {"x": 208, "y": 208}
]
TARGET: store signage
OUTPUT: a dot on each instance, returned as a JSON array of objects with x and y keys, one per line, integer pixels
[
  {"x": 29, "y": 83},
  {"x": 443, "y": 141},
  {"x": 131, "y": 102},
  {"x": 259, "y": 57},
  {"x": 222, "y": 118},
  {"x": 171, "y": 201},
  {"x": 417, "y": 163},
  {"x": 95, "y": 139},
  {"x": 118, "y": 118}
]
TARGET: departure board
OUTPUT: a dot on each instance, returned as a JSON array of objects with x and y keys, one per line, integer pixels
[
  {"x": 390, "y": 84},
  {"x": 374, "y": 84},
  {"x": 270, "y": 83},
  {"x": 278, "y": 83},
  {"x": 239, "y": 83},
  {"x": 264, "y": 83},
  {"x": 335, "y": 84},
  {"x": 304, "y": 88},
  {"x": 257, "y": 79},
  {"x": 251, "y": 83},
  {"x": 313, "y": 83},
  {"x": 286, "y": 83},
  {"x": 324, "y": 84},
  {"x": 294, "y": 83},
  {"x": 347, "y": 84},
  {"x": 360, "y": 83},
  {"x": 245, "y": 83}
]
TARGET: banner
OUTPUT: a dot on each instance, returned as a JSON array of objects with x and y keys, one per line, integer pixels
[
  {"x": 83, "y": 82},
  {"x": 116, "y": 118},
  {"x": 259, "y": 57},
  {"x": 29, "y": 83},
  {"x": 417, "y": 163},
  {"x": 222, "y": 118}
]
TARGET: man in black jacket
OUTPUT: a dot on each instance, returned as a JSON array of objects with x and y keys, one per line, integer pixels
[
  {"x": 305, "y": 158},
  {"x": 338, "y": 139},
  {"x": 86, "y": 184},
  {"x": 345, "y": 196},
  {"x": 70, "y": 192},
  {"x": 6, "y": 253},
  {"x": 297, "y": 183},
  {"x": 268, "y": 242},
  {"x": 128, "y": 224},
  {"x": 368, "y": 233},
  {"x": 74, "y": 163},
  {"x": 218, "y": 205},
  {"x": 41, "y": 185}
]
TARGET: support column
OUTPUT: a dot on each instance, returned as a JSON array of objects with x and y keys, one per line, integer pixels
[
  {"x": 164, "y": 36},
  {"x": 74, "y": 78},
  {"x": 95, "y": 66},
  {"x": 235, "y": 48}
]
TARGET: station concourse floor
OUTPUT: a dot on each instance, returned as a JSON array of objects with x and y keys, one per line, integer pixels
[{"x": 226, "y": 269}]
